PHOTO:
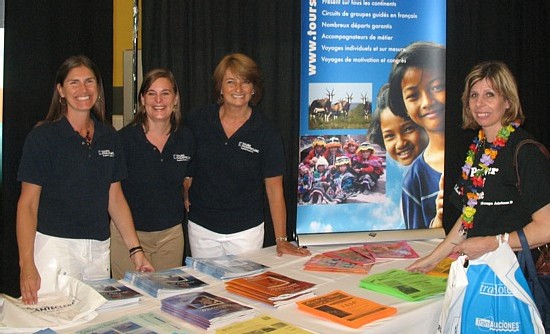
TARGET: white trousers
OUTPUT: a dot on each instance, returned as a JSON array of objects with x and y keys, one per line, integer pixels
[
  {"x": 205, "y": 243},
  {"x": 84, "y": 259}
]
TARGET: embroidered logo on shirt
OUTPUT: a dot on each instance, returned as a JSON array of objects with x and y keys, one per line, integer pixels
[
  {"x": 181, "y": 157},
  {"x": 106, "y": 153},
  {"x": 247, "y": 147}
]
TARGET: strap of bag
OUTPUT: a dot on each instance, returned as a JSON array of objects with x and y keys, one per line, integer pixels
[
  {"x": 525, "y": 258},
  {"x": 541, "y": 147}
]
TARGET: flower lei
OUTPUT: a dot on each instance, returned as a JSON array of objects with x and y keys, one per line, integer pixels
[{"x": 478, "y": 179}]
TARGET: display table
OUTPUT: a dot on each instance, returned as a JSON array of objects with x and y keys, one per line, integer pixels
[{"x": 411, "y": 317}]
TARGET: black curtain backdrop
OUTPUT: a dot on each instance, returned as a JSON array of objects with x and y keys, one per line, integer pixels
[
  {"x": 190, "y": 36},
  {"x": 39, "y": 35}
]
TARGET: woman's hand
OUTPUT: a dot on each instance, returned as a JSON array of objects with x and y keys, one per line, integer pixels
[
  {"x": 476, "y": 246},
  {"x": 285, "y": 247},
  {"x": 424, "y": 264},
  {"x": 29, "y": 282},
  {"x": 141, "y": 263}
]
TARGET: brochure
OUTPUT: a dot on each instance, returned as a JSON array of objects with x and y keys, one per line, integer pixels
[
  {"x": 405, "y": 285},
  {"x": 346, "y": 309},
  {"x": 139, "y": 323},
  {"x": 322, "y": 262},
  {"x": 162, "y": 284},
  {"x": 225, "y": 267},
  {"x": 262, "y": 324},
  {"x": 271, "y": 288},
  {"x": 206, "y": 310},
  {"x": 391, "y": 250},
  {"x": 116, "y": 293}
]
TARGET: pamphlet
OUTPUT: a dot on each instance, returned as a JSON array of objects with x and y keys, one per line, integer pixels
[
  {"x": 162, "y": 284},
  {"x": 262, "y": 324},
  {"x": 225, "y": 267},
  {"x": 346, "y": 309},
  {"x": 391, "y": 250},
  {"x": 405, "y": 285},
  {"x": 139, "y": 323},
  {"x": 322, "y": 262},
  {"x": 116, "y": 293}
]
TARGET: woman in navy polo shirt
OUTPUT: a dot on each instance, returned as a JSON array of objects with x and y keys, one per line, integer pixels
[
  {"x": 157, "y": 149},
  {"x": 239, "y": 158},
  {"x": 70, "y": 174}
]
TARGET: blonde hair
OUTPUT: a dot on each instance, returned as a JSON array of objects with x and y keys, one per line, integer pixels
[
  {"x": 503, "y": 82},
  {"x": 243, "y": 66}
]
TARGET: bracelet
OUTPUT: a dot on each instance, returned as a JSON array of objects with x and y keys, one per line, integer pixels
[
  {"x": 134, "y": 250},
  {"x": 281, "y": 238}
]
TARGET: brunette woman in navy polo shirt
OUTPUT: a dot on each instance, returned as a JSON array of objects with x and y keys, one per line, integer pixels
[
  {"x": 239, "y": 155},
  {"x": 157, "y": 149},
  {"x": 70, "y": 175}
]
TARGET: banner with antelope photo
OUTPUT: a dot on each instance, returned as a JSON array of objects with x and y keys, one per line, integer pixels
[{"x": 372, "y": 115}]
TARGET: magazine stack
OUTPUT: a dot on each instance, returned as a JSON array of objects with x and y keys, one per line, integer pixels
[
  {"x": 225, "y": 267},
  {"x": 116, "y": 293},
  {"x": 206, "y": 310},
  {"x": 271, "y": 288},
  {"x": 162, "y": 284}
]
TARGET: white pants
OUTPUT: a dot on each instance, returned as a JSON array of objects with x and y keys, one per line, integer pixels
[
  {"x": 84, "y": 259},
  {"x": 205, "y": 243}
]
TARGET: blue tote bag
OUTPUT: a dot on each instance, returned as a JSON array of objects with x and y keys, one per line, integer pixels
[{"x": 497, "y": 298}]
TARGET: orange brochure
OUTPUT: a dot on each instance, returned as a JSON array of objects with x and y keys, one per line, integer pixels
[{"x": 346, "y": 309}]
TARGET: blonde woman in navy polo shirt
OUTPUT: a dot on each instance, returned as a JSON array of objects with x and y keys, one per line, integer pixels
[
  {"x": 239, "y": 158},
  {"x": 70, "y": 174},
  {"x": 157, "y": 149}
]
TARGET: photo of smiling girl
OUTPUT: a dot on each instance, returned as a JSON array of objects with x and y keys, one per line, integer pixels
[
  {"x": 402, "y": 139},
  {"x": 417, "y": 91}
]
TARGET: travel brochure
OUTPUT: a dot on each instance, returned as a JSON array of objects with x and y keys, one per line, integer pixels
[
  {"x": 162, "y": 284},
  {"x": 359, "y": 259},
  {"x": 225, "y": 267},
  {"x": 116, "y": 293},
  {"x": 346, "y": 309},
  {"x": 271, "y": 288},
  {"x": 262, "y": 324},
  {"x": 405, "y": 285},
  {"x": 138, "y": 323},
  {"x": 322, "y": 262},
  {"x": 206, "y": 310}
]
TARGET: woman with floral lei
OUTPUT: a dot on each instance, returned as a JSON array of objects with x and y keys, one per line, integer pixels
[{"x": 491, "y": 208}]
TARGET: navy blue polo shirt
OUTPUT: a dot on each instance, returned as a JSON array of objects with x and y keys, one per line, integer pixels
[
  {"x": 154, "y": 187},
  {"x": 75, "y": 178},
  {"x": 227, "y": 194}
]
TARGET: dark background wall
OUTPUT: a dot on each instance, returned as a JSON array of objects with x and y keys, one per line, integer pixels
[
  {"x": 39, "y": 35},
  {"x": 190, "y": 37}
]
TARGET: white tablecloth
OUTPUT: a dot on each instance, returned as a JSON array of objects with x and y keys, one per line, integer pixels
[{"x": 412, "y": 317}]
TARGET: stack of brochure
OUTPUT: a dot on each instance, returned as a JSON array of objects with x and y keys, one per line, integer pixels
[
  {"x": 346, "y": 309},
  {"x": 116, "y": 293},
  {"x": 162, "y": 284},
  {"x": 271, "y": 288},
  {"x": 322, "y": 262},
  {"x": 360, "y": 259},
  {"x": 206, "y": 310},
  {"x": 137, "y": 323},
  {"x": 405, "y": 285},
  {"x": 225, "y": 267},
  {"x": 262, "y": 324}
]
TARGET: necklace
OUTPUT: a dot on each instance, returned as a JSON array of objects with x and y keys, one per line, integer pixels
[{"x": 478, "y": 178}]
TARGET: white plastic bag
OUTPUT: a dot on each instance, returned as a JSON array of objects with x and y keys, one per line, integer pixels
[
  {"x": 451, "y": 313},
  {"x": 72, "y": 302}
]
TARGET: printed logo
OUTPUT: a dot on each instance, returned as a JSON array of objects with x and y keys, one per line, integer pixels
[
  {"x": 181, "y": 157},
  {"x": 497, "y": 326},
  {"x": 495, "y": 290},
  {"x": 106, "y": 153},
  {"x": 247, "y": 147}
]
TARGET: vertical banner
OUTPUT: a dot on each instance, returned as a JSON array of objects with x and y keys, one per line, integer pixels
[{"x": 372, "y": 115}]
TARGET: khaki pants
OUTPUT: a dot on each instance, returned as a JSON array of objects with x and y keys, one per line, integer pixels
[{"x": 164, "y": 249}]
